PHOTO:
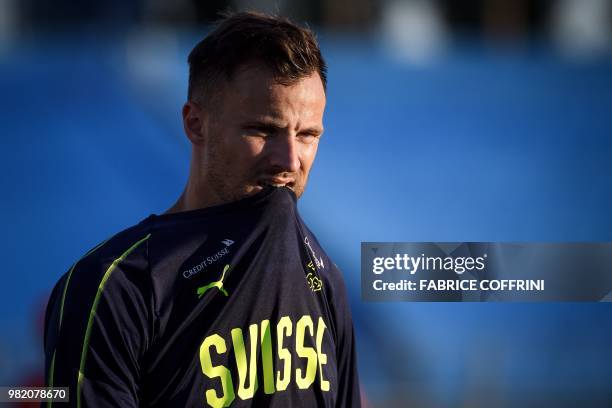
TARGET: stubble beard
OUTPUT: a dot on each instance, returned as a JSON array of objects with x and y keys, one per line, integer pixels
[
  {"x": 223, "y": 182},
  {"x": 229, "y": 186}
]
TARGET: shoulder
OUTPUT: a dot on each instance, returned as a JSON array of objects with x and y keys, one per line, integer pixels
[
  {"x": 128, "y": 245},
  {"x": 122, "y": 257}
]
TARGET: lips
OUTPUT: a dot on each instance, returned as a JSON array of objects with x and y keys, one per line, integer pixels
[{"x": 276, "y": 182}]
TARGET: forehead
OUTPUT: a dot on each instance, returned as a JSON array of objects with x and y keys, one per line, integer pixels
[{"x": 253, "y": 90}]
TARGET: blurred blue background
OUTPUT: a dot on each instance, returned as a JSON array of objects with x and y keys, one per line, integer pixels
[{"x": 486, "y": 121}]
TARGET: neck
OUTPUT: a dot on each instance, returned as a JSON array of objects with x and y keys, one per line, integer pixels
[{"x": 196, "y": 195}]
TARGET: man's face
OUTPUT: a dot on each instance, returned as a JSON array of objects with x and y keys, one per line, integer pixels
[{"x": 260, "y": 132}]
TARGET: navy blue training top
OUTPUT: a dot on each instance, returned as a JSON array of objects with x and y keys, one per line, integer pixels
[{"x": 233, "y": 305}]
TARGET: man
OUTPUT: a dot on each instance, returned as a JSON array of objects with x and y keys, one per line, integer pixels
[{"x": 227, "y": 299}]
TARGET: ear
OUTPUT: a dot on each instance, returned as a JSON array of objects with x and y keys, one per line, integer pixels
[{"x": 194, "y": 122}]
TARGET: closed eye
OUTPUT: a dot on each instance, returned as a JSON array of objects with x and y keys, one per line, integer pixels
[
  {"x": 260, "y": 130},
  {"x": 309, "y": 136}
]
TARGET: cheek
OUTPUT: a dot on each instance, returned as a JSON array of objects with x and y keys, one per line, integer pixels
[
  {"x": 241, "y": 149},
  {"x": 307, "y": 156},
  {"x": 252, "y": 146},
  {"x": 245, "y": 155}
]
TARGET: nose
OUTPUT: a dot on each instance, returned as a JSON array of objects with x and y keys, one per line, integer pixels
[{"x": 283, "y": 154}]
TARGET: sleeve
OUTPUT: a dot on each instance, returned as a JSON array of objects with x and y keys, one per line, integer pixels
[
  {"x": 98, "y": 328},
  {"x": 346, "y": 353}
]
